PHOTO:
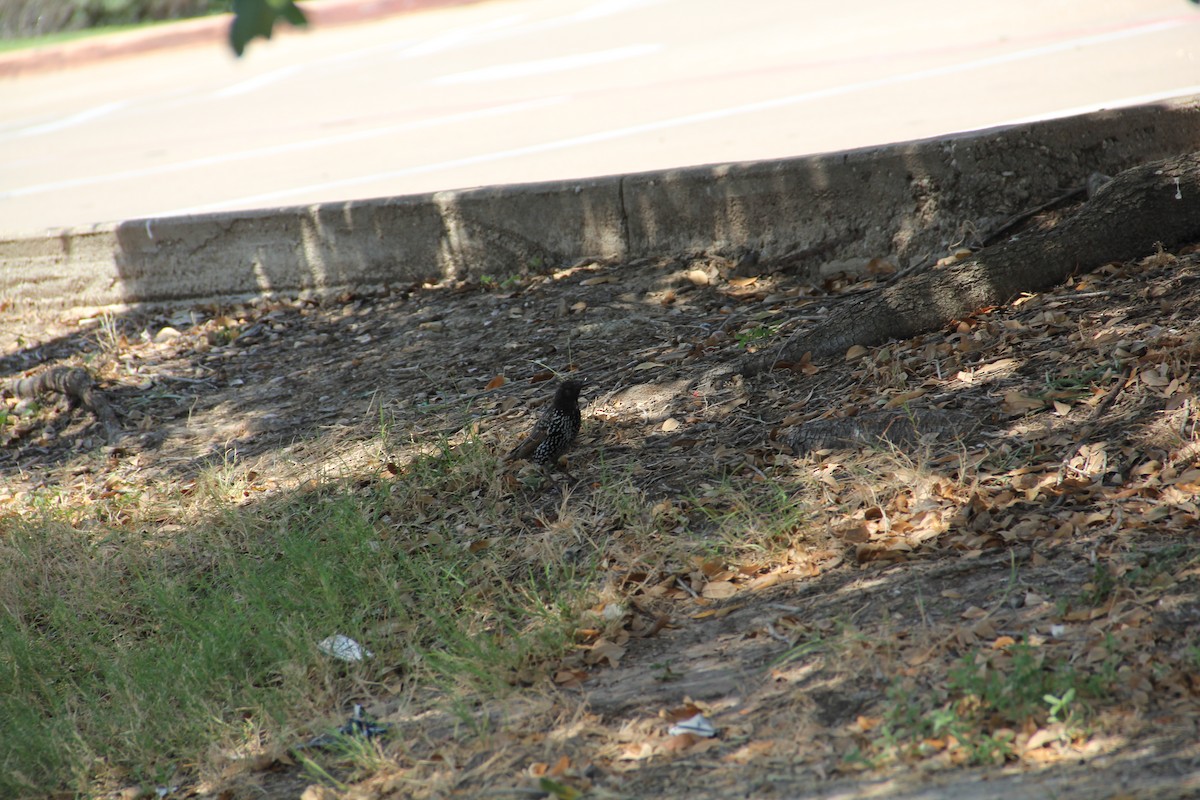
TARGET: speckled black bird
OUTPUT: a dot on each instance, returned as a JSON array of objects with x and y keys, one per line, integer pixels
[{"x": 555, "y": 431}]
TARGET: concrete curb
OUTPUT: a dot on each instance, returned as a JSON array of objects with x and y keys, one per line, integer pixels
[
  {"x": 904, "y": 202},
  {"x": 212, "y": 30}
]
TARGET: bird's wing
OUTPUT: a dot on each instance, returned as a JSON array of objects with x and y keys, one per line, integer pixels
[{"x": 530, "y": 443}]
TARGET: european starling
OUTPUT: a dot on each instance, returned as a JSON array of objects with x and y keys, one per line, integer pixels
[{"x": 555, "y": 431}]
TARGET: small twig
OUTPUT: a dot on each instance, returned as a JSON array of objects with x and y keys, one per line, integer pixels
[
  {"x": 687, "y": 588},
  {"x": 1103, "y": 405},
  {"x": 774, "y": 634},
  {"x": 1089, "y": 428},
  {"x": 1066, "y": 298},
  {"x": 758, "y": 471},
  {"x": 178, "y": 379},
  {"x": 1024, "y": 216},
  {"x": 522, "y": 791},
  {"x": 916, "y": 266},
  {"x": 785, "y": 608}
]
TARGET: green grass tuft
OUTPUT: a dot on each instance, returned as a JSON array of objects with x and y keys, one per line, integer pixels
[{"x": 127, "y": 656}]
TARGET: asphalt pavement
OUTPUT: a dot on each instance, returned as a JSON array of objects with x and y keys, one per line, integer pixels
[{"x": 512, "y": 91}]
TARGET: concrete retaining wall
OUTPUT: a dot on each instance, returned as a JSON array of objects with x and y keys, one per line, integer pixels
[{"x": 903, "y": 202}]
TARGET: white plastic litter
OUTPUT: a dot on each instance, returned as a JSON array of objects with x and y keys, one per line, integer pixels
[
  {"x": 344, "y": 648},
  {"x": 696, "y": 726}
]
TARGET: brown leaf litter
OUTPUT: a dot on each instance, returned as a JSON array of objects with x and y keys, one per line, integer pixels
[{"x": 1027, "y": 477}]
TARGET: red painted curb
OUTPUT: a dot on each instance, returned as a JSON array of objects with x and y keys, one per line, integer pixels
[{"x": 326, "y": 13}]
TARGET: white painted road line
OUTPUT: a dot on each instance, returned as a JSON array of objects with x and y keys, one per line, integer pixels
[
  {"x": 675, "y": 122},
  {"x": 66, "y": 122},
  {"x": 543, "y": 90},
  {"x": 281, "y": 149},
  {"x": 259, "y": 81}
]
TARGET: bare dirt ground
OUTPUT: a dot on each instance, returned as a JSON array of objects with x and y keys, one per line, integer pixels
[{"x": 1062, "y": 518}]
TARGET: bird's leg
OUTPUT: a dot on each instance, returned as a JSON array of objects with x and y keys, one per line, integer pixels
[{"x": 561, "y": 466}]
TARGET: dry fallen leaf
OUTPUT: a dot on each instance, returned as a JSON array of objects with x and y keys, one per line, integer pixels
[
  {"x": 680, "y": 713},
  {"x": 638, "y": 751},
  {"x": 1042, "y": 737},
  {"x": 680, "y": 742},
  {"x": 955, "y": 256},
  {"x": 1155, "y": 378},
  {"x": 919, "y": 657},
  {"x": 719, "y": 590},
  {"x": 891, "y": 550},
  {"x": 717, "y": 613},
  {"x": 805, "y": 365},
  {"x": 604, "y": 650},
  {"x": 865, "y": 724},
  {"x": 750, "y": 751},
  {"x": 904, "y": 397},
  {"x": 570, "y": 678},
  {"x": 857, "y": 534},
  {"x": 1017, "y": 403}
]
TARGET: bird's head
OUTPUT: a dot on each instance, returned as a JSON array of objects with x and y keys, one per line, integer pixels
[{"x": 567, "y": 395}]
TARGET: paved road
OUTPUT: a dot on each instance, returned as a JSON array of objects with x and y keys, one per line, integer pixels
[{"x": 531, "y": 90}]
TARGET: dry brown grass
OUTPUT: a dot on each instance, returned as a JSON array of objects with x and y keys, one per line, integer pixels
[{"x": 846, "y": 617}]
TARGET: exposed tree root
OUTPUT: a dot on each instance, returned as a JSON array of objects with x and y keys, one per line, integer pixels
[{"x": 1157, "y": 203}]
